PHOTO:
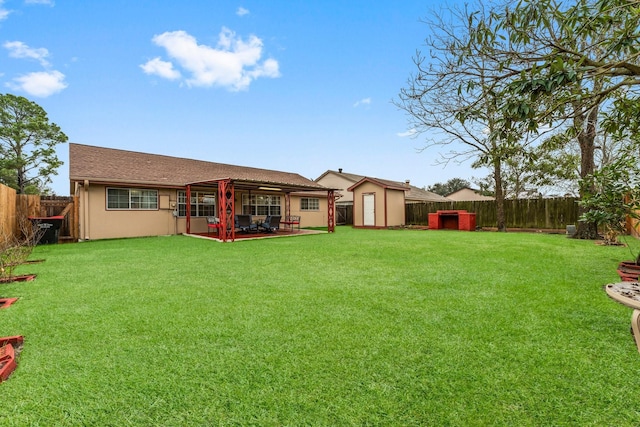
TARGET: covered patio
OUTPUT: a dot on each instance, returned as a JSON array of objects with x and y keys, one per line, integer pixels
[
  {"x": 283, "y": 232},
  {"x": 225, "y": 189}
]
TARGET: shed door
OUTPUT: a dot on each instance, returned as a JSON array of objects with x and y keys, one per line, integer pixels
[{"x": 369, "y": 209}]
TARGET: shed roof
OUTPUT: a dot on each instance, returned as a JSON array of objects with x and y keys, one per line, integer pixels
[
  {"x": 380, "y": 182},
  {"x": 412, "y": 193}
]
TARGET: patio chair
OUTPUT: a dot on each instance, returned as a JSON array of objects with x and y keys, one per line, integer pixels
[
  {"x": 245, "y": 223},
  {"x": 213, "y": 222},
  {"x": 271, "y": 223}
]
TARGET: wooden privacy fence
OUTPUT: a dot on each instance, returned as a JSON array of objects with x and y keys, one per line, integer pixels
[
  {"x": 7, "y": 211},
  {"x": 15, "y": 209},
  {"x": 554, "y": 213},
  {"x": 66, "y": 207}
]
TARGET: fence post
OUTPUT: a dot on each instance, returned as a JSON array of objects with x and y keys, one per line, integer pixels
[{"x": 8, "y": 222}]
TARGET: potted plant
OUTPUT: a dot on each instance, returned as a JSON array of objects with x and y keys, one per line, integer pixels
[{"x": 612, "y": 198}]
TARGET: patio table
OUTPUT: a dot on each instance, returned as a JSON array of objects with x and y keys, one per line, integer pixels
[{"x": 628, "y": 293}]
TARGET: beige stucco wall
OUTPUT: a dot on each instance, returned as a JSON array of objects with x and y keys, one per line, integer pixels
[
  {"x": 389, "y": 205},
  {"x": 395, "y": 208},
  {"x": 96, "y": 222},
  {"x": 310, "y": 218},
  {"x": 331, "y": 180}
]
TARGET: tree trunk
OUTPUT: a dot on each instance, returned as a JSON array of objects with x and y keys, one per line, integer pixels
[
  {"x": 585, "y": 123},
  {"x": 497, "y": 176},
  {"x": 20, "y": 182}
]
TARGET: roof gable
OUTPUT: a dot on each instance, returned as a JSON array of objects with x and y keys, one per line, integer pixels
[
  {"x": 391, "y": 185},
  {"x": 343, "y": 175}
]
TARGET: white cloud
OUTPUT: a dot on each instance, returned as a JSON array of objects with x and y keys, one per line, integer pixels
[
  {"x": 410, "y": 132},
  {"x": 40, "y": 84},
  {"x": 242, "y": 11},
  {"x": 365, "y": 101},
  {"x": 4, "y": 13},
  {"x": 234, "y": 63},
  {"x": 18, "y": 49},
  {"x": 47, "y": 2},
  {"x": 161, "y": 68}
]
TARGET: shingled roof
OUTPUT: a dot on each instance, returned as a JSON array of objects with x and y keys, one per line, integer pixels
[
  {"x": 412, "y": 193},
  {"x": 111, "y": 166}
]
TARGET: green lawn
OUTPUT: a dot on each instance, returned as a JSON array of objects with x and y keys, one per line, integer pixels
[{"x": 359, "y": 327}]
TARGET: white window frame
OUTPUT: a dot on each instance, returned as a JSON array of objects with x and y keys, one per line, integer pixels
[
  {"x": 309, "y": 200},
  {"x": 147, "y": 197},
  {"x": 203, "y": 203},
  {"x": 261, "y": 205}
]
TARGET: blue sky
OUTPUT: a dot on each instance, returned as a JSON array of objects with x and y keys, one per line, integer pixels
[{"x": 297, "y": 86}]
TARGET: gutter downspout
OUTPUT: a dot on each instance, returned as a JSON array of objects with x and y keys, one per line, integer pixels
[{"x": 85, "y": 223}]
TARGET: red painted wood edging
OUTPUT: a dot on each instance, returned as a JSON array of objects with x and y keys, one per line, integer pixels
[
  {"x": 8, "y": 348},
  {"x": 6, "y": 302},
  {"x": 22, "y": 278}
]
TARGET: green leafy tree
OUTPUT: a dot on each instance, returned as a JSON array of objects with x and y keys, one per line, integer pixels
[
  {"x": 612, "y": 194},
  {"x": 27, "y": 145},
  {"x": 564, "y": 62},
  {"x": 452, "y": 101}
]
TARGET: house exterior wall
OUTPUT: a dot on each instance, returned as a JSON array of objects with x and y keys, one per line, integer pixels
[
  {"x": 317, "y": 218},
  {"x": 97, "y": 222},
  {"x": 332, "y": 180},
  {"x": 389, "y": 205}
]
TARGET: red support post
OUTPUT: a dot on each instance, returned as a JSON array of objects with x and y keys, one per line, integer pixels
[
  {"x": 331, "y": 219},
  {"x": 287, "y": 206},
  {"x": 226, "y": 209}
]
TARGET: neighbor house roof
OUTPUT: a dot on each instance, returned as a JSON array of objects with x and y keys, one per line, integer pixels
[
  {"x": 112, "y": 166},
  {"x": 348, "y": 176},
  {"x": 468, "y": 194},
  {"x": 412, "y": 193},
  {"x": 421, "y": 195}
]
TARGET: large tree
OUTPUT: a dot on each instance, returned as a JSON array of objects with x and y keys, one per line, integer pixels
[
  {"x": 27, "y": 145},
  {"x": 452, "y": 101},
  {"x": 565, "y": 63}
]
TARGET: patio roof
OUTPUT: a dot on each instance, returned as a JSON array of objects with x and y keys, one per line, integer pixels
[{"x": 244, "y": 184}]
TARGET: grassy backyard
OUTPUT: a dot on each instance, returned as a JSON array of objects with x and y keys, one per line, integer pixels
[{"x": 362, "y": 327}]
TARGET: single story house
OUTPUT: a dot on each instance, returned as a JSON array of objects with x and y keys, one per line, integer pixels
[
  {"x": 376, "y": 202},
  {"x": 131, "y": 194}
]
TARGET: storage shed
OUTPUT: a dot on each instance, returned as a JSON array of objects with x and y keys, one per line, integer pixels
[{"x": 378, "y": 203}]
